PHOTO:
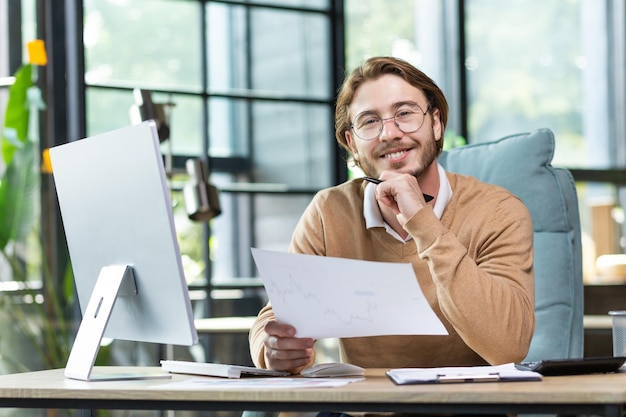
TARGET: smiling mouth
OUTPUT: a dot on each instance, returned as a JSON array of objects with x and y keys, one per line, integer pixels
[{"x": 395, "y": 154}]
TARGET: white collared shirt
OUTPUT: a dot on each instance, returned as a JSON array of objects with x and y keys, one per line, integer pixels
[{"x": 374, "y": 218}]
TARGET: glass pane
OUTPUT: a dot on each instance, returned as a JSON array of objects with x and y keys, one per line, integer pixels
[
  {"x": 116, "y": 104},
  {"x": 276, "y": 218},
  {"x": 314, "y": 4},
  {"x": 290, "y": 53},
  {"x": 287, "y": 53},
  {"x": 382, "y": 28},
  {"x": 190, "y": 240},
  {"x": 185, "y": 123},
  {"x": 229, "y": 127},
  {"x": 292, "y": 144},
  {"x": 227, "y": 230},
  {"x": 516, "y": 88},
  {"x": 153, "y": 43},
  {"x": 251, "y": 220},
  {"x": 228, "y": 63}
]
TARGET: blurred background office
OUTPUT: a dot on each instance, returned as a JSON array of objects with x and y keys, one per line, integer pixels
[{"x": 248, "y": 87}]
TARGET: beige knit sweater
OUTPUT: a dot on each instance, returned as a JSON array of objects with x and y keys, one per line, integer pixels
[{"x": 475, "y": 266}]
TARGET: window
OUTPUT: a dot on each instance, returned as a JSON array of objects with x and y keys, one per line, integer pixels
[
  {"x": 252, "y": 85},
  {"x": 523, "y": 75}
]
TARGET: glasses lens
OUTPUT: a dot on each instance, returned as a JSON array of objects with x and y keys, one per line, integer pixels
[
  {"x": 408, "y": 118},
  {"x": 368, "y": 126}
]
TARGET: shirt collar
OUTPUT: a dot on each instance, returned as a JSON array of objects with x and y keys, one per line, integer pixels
[{"x": 374, "y": 218}]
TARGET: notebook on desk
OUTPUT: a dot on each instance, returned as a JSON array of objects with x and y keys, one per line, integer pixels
[{"x": 217, "y": 369}]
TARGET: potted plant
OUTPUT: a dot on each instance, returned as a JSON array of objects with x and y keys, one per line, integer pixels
[{"x": 37, "y": 314}]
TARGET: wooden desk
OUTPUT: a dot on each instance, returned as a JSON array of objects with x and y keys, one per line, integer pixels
[{"x": 586, "y": 394}]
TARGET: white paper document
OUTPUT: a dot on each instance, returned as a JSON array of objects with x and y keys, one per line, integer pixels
[
  {"x": 498, "y": 373},
  {"x": 258, "y": 383},
  {"x": 333, "y": 297}
]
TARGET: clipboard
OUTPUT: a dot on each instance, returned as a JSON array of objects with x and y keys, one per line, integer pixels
[{"x": 499, "y": 373}]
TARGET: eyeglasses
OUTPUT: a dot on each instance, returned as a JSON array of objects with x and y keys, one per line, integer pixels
[{"x": 408, "y": 118}]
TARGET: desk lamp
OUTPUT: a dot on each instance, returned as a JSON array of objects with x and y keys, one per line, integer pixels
[
  {"x": 201, "y": 197},
  {"x": 145, "y": 109}
]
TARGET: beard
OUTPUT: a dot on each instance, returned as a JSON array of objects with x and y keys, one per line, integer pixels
[{"x": 428, "y": 153}]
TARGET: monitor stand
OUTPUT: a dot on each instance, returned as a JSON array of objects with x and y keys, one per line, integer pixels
[{"x": 114, "y": 281}]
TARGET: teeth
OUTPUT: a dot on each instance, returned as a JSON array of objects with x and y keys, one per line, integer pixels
[{"x": 394, "y": 155}]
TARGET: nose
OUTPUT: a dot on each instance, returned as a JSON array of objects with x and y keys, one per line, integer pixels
[{"x": 389, "y": 131}]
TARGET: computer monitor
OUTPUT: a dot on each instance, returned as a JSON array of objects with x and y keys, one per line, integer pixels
[{"x": 117, "y": 214}]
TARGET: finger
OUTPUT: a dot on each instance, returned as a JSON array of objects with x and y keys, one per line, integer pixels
[
  {"x": 385, "y": 196},
  {"x": 288, "y": 354},
  {"x": 401, "y": 219},
  {"x": 403, "y": 195},
  {"x": 289, "y": 343},
  {"x": 276, "y": 328},
  {"x": 288, "y": 360}
]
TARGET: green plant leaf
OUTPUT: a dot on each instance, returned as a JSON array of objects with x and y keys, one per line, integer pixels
[
  {"x": 17, "y": 196},
  {"x": 17, "y": 112}
]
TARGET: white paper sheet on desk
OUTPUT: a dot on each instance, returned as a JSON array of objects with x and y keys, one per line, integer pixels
[
  {"x": 256, "y": 383},
  {"x": 333, "y": 297}
]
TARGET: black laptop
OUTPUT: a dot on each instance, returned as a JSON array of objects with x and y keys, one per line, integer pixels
[{"x": 575, "y": 366}]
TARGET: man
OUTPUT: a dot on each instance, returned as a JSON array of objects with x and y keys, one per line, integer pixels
[{"x": 471, "y": 245}]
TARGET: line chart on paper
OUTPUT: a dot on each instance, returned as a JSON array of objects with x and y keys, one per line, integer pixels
[
  {"x": 333, "y": 297},
  {"x": 288, "y": 288}
]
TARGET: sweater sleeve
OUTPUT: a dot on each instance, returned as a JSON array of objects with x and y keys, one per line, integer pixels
[
  {"x": 257, "y": 336},
  {"x": 485, "y": 290}
]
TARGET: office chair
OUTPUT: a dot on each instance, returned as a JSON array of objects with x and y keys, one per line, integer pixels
[{"x": 521, "y": 163}]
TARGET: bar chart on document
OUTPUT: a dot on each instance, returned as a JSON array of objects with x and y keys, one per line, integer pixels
[{"x": 325, "y": 297}]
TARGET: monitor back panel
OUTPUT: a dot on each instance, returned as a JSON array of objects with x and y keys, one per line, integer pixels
[{"x": 116, "y": 209}]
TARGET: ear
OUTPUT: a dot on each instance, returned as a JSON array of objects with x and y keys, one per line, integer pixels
[
  {"x": 437, "y": 127},
  {"x": 350, "y": 142}
]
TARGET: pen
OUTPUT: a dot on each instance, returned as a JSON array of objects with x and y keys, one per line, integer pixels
[{"x": 377, "y": 181}]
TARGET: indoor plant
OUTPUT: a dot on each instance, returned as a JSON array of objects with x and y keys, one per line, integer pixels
[{"x": 39, "y": 315}]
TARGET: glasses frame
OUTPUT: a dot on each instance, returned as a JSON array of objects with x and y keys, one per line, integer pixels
[{"x": 383, "y": 120}]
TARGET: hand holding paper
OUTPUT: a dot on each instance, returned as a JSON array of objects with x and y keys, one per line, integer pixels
[{"x": 333, "y": 297}]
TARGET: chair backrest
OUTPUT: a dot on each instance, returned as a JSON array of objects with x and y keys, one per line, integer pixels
[{"x": 521, "y": 163}]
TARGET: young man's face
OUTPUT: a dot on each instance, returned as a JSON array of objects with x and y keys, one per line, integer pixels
[{"x": 393, "y": 149}]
